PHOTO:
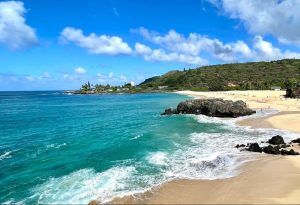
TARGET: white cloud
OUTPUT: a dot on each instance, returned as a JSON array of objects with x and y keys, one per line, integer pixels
[
  {"x": 161, "y": 55},
  {"x": 110, "y": 45},
  {"x": 142, "y": 49},
  {"x": 278, "y": 18},
  {"x": 111, "y": 74},
  {"x": 122, "y": 77},
  {"x": 14, "y": 32},
  {"x": 80, "y": 70},
  {"x": 192, "y": 46},
  {"x": 264, "y": 50},
  {"x": 115, "y": 11},
  {"x": 29, "y": 78},
  {"x": 99, "y": 75},
  {"x": 45, "y": 75},
  {"x": 191, "y": 49}
]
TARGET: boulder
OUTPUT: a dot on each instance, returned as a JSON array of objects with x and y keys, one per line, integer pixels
[
  {"x": 285, "y": 146},
  {"x": 240, "y": 145},
  {"x": 254, "y": 147},
  {"x": 276, "y": 140},
  {"x": 168, "y": 111},
  {"x": 271, "y": 150},
  {"x": 296, "y": 140},
  {"x": 290, "y": 152},
  {"x": 214, "y": 107}
]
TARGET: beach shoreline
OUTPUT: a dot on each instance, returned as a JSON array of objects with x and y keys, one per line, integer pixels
[{"x": 267, "y": 179}]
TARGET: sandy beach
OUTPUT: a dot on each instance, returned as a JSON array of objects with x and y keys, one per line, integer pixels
[
  {"x": 289, "y": 109},
  {"x": 269, "y": 179}
]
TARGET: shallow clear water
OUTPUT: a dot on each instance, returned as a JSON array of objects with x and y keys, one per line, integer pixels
[{"x": 57, "y": 148}]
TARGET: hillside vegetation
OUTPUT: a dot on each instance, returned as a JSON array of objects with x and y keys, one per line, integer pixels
[{"x": 237, "y": 76}]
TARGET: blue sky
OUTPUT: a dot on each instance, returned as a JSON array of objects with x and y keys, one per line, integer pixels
[{"x": 48, "y": 45}]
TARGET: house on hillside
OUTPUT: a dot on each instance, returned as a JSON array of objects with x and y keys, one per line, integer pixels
[
  {"x": 231, "y": 85},
  {"x": 275, "y": 88},
  {"x": 162, "y": 87}
]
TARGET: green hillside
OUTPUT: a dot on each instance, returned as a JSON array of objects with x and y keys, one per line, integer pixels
[{"x": 241, "y": 76}]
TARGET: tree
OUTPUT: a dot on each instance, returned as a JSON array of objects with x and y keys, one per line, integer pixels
[{"x": 291, "y": 83}]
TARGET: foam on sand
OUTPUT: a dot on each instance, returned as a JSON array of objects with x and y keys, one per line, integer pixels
[{"x": 82, "y": 186}]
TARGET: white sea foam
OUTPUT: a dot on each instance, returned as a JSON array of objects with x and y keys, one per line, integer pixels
[
  {"x": 56, "y": 145},
  {"x": 6, "y": 155},
  {"x": 206, "y": 156},
  {"x": 12, "y": 201},
  {"x": 82, "y": 186},
  {"x": 136, "y": 137},
  {"x": 157, "y": 158},
  {"x": 232, "y": 121}
]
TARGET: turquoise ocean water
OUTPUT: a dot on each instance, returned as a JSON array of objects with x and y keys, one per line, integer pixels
[{"x": 58, "y": 148}]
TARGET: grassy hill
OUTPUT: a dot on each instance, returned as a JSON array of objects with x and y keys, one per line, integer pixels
[{"x": 240, "y": 76}]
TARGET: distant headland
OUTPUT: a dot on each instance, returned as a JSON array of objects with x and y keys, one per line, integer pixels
[{"x": 274, "y": 75}]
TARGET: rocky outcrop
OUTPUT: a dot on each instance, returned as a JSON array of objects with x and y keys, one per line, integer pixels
[
  {"x": 290, "y": 152},
  {"x": 296, "y": 140},
  {"x": 277, "y": 146},
  {"x": 293, "y": 92},
  {"x": 271, "y": 150},
  {"x": 214, "y": 107},
  {"x": 240, "y": 145},
  {"x": 276, "y": 140},
  {"x": 285, "y": 145},
  {"x": 254, "y": 147}
]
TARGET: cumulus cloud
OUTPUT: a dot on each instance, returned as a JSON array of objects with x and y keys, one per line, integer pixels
[
  {"x": 103, "y": 44},
  {"x": 195, "y": 44},
  {"x": 161, "y": 55},
  {"x": 264, "y": 50},
  {"x": 278, "y": 18},
  {"x": 189, "y": 50},
  {"x": 80, "y": 70},
  {"x": 14, "y": 32}
]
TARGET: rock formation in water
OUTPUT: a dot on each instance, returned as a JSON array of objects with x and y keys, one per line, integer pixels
[{"x": 214, "y": 107}]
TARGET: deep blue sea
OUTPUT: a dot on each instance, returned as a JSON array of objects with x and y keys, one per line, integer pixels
[{"x": 58, "y": 148}]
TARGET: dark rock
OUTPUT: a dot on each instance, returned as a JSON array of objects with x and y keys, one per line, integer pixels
[
  {"x": 277, "y": 147},
  {"x": 276, "y": 140},
  {"x": 214, "y": 107},
  {"x": 290, "y": 152},
  {"x": 254, "y": 147},
  {"x": 240, "y": 145},
  {"x": 168, "y": 112},
  {"x": 293, "y": 92},
  {"x": 271, "y": 150},
  {"x": 285, "y": 146},
  {"x": 296, "y": 140}
]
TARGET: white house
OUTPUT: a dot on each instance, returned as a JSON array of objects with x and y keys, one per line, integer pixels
[{"x": 275, "y": 88}]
